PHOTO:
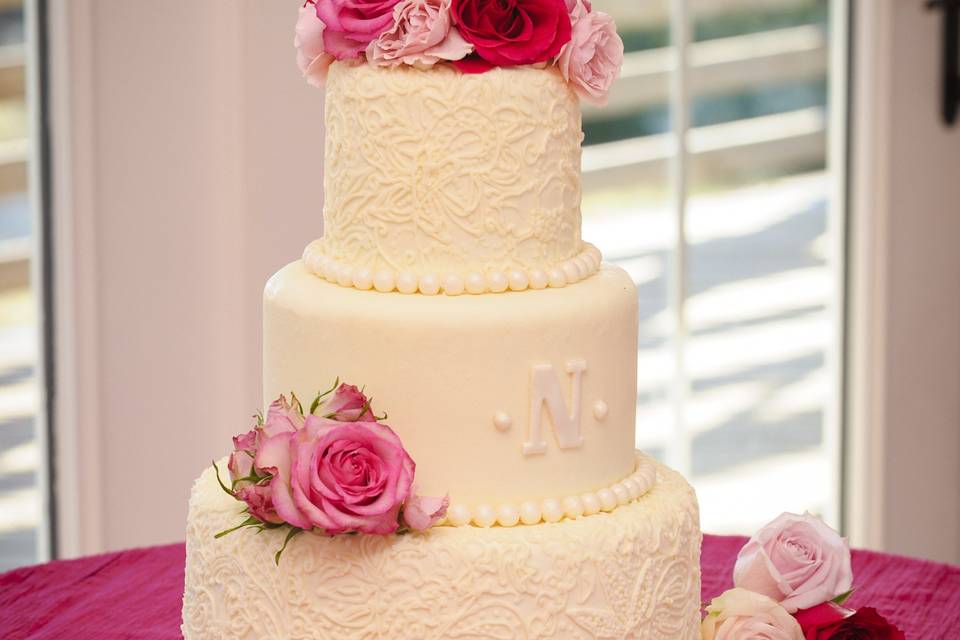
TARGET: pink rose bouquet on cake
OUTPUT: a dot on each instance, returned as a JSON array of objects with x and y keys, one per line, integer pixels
[
  {"x": 472, "y": 35},
  {"x": 791, "y": 579},
  {"x": 334, "y": 469}
]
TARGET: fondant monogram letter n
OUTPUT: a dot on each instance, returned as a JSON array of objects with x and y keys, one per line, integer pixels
[{"x": 546, "y": 393}]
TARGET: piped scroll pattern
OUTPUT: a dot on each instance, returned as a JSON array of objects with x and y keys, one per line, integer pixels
[
  {"x": 438, "y": 172},
  {"x": 631, "y": 574}
]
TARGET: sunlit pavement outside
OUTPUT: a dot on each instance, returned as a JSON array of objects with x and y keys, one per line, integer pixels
[
  {"x": 19, "y": 458},
  {"x": 759, "y": 325}
]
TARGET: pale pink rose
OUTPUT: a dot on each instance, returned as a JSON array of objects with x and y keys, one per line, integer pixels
[
  {"x": 283, "y": 417},
  {"x": 739, "y": 614},
  {"x": 339, "y": 476},
  {"x": 422, "y": 35},
  {"x": 350, "y": 25},
  {"x": 245, "y": 448},
  {"x": 346, "y": 405},
  {"x": 591, "y": 61},
  {"x": 259, "y": 499},
  {"x": 572, "y": 4},
  {"x": 796, "y": 560},
  {"x": 421, "y": 512},
  {"x": 312, "y": 58}
]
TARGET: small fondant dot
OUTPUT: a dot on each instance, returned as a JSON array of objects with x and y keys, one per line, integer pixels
[
  {"x": 383, "y": 281},
  {"x": 539, "y": 279},
  {"x": 591, "y": 503},
  {"x": 330, "y": 269},
  {"x": 518, "y": 280},
  {"x": 508, "y": 515},
  {"x": 530, "y": 513},
  {"x": 407, "y": 282},
  {"x": 453, "y": 285},
  {"x": 620, "y": 491},
  {"x": 363, "y": 279},
  {"x": 600, "y": 410},
  {"x": 552, "y": 510},
  {"x": 497, "y": 281},
  {"x": 557, "y": 278},
  {"x": 573, "y": 507},
  {"x": 632, "y": 488},
  {"x": 484, "y": 516},
  {"x": 502, "y": 421},
  {"x": 570, "y": 271},
  {"x": 429, "y": 284},
  {"x": 476, "y": 283},
  {"x": 458, "y": 515},
  {"x": 608, "y": 499},
  {"x": 345, "y": 277}
]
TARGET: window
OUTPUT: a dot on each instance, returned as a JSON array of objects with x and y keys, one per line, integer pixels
[
  {"x": 20, "y": 493},
  {"x": 730, "y": 240}
]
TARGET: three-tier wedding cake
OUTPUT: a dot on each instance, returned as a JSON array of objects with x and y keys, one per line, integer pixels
[{"x": 453, "y": 284}]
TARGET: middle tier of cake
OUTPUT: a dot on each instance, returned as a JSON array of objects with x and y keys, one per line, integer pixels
[{"x": 502, "y": 400}]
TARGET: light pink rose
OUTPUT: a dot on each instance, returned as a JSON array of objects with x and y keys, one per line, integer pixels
[
  {"x": 339, "y": 476},
  {"x": 591, "y": 61},
  {"x": 422, "y": 35},
  {"x": 283, "y": 417},
  {"x": 421, "y": 512},
  {"x": 245, "y": 448},
  {"x": 259, "y": 499},
  {"x": 796, "y": 560},
  {"x": 352, "y": 24},
  {"x": 346, "y": 405},
  {"x": 312, "y": 58},
  {"x": 739, "y": 614}
]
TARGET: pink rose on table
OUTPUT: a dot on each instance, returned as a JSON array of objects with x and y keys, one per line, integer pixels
[
  {"x": 312, "y": 58},
  {"x": 739, "y": 614},
  {"x": 422, "y": 35},
  {"x": 511, "y": 32},
  {"x": 339, "y": 476},
  {"x": 830, "y": 621},
  {"x": 348, "y": 404},
  {"x": 420, "y": 513},
  {"x": 591, "y": 61},
  {"x": 352, "y": 24},
  {"x": 797, "y": 560}
]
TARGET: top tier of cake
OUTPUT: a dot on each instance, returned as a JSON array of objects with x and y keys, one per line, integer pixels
[{"x": 432, "y": 175}]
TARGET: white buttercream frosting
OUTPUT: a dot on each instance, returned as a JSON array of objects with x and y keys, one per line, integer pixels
[{"x": 631, "y": 573}]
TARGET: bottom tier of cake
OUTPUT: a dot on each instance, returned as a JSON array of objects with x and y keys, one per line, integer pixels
[{"x": 631, "y": 573}]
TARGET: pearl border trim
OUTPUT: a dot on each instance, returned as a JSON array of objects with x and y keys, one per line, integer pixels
[
  {"x": 586, "y": 263},
  {"x": 530, "y": 512}
]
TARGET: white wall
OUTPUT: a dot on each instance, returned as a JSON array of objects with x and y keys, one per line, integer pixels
[
  {"x": 187, "y": 168},
  {"x": 905, "y": 331}
]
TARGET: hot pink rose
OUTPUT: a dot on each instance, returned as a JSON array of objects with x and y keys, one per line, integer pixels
[
  {"x": 591, "y": 61},
  {"x": 510, "y": 32},
  {"x": 830, "y": 621},
  {"x": 422, "y": 35},
  {"x": 259, "y": 499},
  {"x": 420, "y": 512},
  {"x": 739, "y": 614},
  {"x": 352, "y": 24},
  {"x": 347, "y": 404},
  {"x": 312, "y": 58},
  {"x": 797, "y": 560},
  {"x": 339, "y": 476}
]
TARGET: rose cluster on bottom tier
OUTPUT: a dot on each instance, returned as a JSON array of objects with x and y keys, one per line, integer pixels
[
  {"x": 790, "y": 582},
  {"x": 334, "y": 469}
]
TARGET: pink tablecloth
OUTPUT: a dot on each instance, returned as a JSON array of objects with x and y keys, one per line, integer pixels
[{"x": 136, "y": 594}]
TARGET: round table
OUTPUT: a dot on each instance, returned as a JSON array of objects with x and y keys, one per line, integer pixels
[{"x": 137, "y": 593}]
